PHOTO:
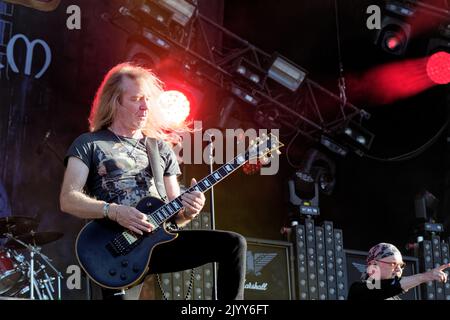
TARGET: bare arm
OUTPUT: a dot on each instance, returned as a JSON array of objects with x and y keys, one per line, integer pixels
[
  {"x": 72, "y": 198},
  {"x": 74, "y": 201},
  {"x": 193, "y": 202},
  {"x": 437, "y": 274}
]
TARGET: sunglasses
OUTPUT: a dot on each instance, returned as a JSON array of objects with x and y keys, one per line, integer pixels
[{"x": 394, "y": 265}]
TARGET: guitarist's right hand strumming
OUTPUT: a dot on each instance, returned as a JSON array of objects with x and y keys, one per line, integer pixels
[{"x": 130, "y": 218}]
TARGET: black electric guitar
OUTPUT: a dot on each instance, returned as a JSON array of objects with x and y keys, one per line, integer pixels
[{"x": 117, "y": 258}]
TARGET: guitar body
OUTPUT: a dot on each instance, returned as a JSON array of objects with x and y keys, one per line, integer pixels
[{"x": 111, "y": 256}]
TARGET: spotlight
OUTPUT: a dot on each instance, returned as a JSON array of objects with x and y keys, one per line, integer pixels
[
  {"x": 317, "y": 167},
  {"x": 438, "y": 67},
  {"x": 393, "y": 37},
  {"x": 433, "y": 227},
  {"x": 286, "y": 73},
  {"x": 250, "y": 72},
  {"x": 155, "y": 40},
  {"x": 172, "y": 17},
  {"x": 401, "y": 9},
  {"x": 194, "y": 96},
  {"x": 244, "y": 95},
  {"x": 425, "y": 205},
  {"x": 175, "y": 107},
  {"x": 316, "y": 174},
  {"x": 333, "y": 146},
  {"x": 355, "y": 135},
  {"x": 181, "y": 9},
  {"x": 157, "y": 13}
]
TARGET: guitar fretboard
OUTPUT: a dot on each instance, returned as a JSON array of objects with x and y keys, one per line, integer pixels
[{"x": 170, "y": 209}]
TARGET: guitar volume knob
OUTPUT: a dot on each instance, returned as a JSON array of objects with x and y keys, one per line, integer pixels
[
  {"x": 112, "y": 272},
  {"x": 123, "y": 276}
]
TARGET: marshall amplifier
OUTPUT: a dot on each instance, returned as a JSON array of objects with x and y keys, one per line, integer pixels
[
  {"x": 269, "y": 270},
  {"x": 356, "y": 264}
]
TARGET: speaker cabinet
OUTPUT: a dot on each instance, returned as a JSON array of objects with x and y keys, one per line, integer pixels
[{"x": 269, "y": 274}]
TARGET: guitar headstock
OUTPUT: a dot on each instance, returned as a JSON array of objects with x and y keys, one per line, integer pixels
[{"x": 263, "y": 147}]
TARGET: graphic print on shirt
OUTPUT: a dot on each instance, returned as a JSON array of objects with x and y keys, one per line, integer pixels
[{"x": 125, "y": 179}]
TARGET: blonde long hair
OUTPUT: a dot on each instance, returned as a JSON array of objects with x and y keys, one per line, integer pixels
[{"x": 108, "y": 98}]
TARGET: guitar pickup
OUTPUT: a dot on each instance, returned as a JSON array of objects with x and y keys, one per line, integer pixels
[
  {"x": 123, "y": 243},
  {"x": 129, "y": 237},
  {"x": 112, "y": 249}
]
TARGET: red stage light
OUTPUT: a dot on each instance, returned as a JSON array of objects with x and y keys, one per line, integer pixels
[
  {"x": 392, "y": 43},
  {"x": 175, "y": 107},
  {"x": 438, "y": 67}
]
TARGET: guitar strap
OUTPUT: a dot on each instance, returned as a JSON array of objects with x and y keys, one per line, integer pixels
[{"x": 154, "y": 160}]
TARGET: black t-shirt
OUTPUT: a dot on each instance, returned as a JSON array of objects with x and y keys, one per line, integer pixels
[
  {"x": 389, "y": 289},
  {"x": 119, "y": 170}
]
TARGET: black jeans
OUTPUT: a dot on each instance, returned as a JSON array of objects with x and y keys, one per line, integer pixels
[{"x": 194, "y": 248}]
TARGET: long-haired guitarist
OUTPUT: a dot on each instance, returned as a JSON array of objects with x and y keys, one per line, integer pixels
[{"x": 108, "y": 172}]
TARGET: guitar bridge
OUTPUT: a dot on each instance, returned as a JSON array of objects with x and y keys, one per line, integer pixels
[{"x": 123, "y": 243}]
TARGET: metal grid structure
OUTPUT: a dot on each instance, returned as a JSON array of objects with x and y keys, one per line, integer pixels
[{"x": 206, "y": 51}]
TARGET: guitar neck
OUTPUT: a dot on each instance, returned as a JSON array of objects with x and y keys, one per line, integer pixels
[{"x": 173, "y": 207}]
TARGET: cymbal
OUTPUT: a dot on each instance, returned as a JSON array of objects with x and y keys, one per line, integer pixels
[
  {"x": 17, "y": 225},
  {"x": 33, "y": 238}
]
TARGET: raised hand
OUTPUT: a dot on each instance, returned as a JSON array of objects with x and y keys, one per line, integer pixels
[{"x": 438, "y": 273}]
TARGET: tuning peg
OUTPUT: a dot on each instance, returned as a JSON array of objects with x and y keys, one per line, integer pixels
[
  {"x": 252, "y": 142},
  {"x": 278, "y": 152}
]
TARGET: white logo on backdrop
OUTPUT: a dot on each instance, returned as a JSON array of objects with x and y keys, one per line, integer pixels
[{"x": 29, "y": 54}]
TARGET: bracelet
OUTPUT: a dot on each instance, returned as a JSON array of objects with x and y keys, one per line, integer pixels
[{"x": 106, "y": 210}]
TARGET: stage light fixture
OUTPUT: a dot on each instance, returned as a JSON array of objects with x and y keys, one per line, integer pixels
[
  {"x": 425, "y": 205},
  {"x": 399, "y": 8},
  {"x": 433, "y": 227},
  {"x": 250, "y": 72},
  {"x": 182, "y": 10},
  {"x": 316, "y": 174},
  {"x": 156, "y": 12},
  {"x": 393, "y": 37},
  {"x": 357, "y": 136},
  {"x": 438, "y": 67},
  {"x": 333, "y": 146},
  {"x": 244, "y": 95},
  {"x": 155, "y": 40},
  {"x": 286, "y": 73}
]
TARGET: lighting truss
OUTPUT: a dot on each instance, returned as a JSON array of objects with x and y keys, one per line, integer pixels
[{"x": 201, "y": 54}]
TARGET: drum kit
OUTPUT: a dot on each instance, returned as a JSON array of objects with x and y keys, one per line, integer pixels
[{"x": 23, "y": 267}]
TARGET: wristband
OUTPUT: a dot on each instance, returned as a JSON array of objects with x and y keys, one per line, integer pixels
[{"x": 106, "y": 210}]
